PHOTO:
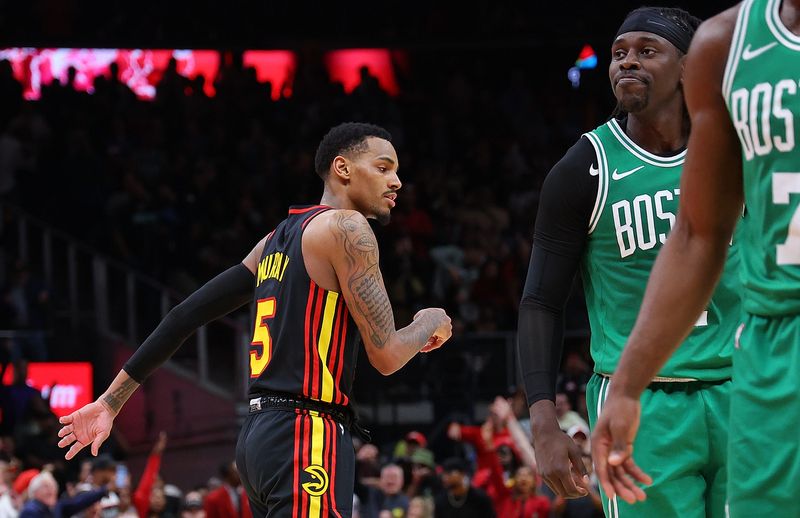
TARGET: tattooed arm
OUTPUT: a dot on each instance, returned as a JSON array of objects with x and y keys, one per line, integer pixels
[{"x": 355, "y": 261}]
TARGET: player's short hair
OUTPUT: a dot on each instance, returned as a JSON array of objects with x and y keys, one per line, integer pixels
[{"x": 348, "y": 137}]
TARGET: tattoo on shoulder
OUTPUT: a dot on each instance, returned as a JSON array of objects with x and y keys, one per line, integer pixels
[
  {"x": 118, "y": 398},
  {"x": 364, "y": 277}
]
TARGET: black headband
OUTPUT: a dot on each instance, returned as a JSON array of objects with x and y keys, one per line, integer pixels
[{"x": 651, "y": 20}]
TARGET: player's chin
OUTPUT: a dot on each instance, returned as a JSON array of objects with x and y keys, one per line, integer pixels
[
  {"x": 633, "y": 102},
  {"x": 383, "y": 216}
]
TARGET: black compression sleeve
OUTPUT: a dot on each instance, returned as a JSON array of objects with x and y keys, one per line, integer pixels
[
  {"x": 562, "y": 223},
  {"x": 226, "y": 292}
]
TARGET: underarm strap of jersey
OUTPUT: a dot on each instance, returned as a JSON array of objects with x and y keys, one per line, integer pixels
[{"x": 226, "y": 292}]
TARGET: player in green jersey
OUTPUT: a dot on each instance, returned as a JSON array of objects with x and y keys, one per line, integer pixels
[
  {"x": 606, "y": 209},
  {"x": 743, "y": 95}
]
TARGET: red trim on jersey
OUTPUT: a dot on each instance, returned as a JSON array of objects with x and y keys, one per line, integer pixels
[
  {"x": 312, "y": 216},
  {"x": 316, "y": 371},
  {"x": 305, "y": 458},
  {"x": 269, "y": 236},
  {"x": 326, "y": 449},
  {"x": 346, "y": 323},
  {"x": 336, "y": 344},
  {"x": 297, "y": 489},
  {"x": 332, "y": 485},
  {"x": 307, "y": 209},
  {"x": 307, "y": 355}
]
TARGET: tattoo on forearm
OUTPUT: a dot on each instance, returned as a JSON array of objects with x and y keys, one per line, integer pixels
[
  {"x": 425, "y": 328},
  {"x": 117, "y": 398},
  {"x": 364, "y": 277}
]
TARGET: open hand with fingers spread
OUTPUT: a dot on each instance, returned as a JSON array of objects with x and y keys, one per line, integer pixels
[
  {"x": 88, "y": 425},
  {"x": 612, "y": 449}
]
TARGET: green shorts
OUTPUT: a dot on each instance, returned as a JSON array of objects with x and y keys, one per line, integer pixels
[
  {"x": 764, "y": 462},
  {"x": 682, "y": 444}
]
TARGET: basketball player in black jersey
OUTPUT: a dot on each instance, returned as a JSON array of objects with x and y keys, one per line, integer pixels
[{"x": 317, "y": 289}]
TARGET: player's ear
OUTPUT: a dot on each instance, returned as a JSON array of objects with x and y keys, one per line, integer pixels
[{"x": 341, "y": 168}]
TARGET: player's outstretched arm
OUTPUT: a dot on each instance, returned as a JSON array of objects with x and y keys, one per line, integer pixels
[
  {"x": 690, "y": 263},
  {"x": 224, "y": 293},
  {"x": 354, "y": 257}
]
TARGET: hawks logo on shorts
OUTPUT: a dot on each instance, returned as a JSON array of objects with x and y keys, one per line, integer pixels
[{"x": 319, "y": 480}]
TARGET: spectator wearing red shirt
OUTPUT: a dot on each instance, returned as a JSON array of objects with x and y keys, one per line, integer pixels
[
  {"x": 520, "y": 500},
  {"x": 141, "y": 498},
  {"x": 228, "y": 500}
]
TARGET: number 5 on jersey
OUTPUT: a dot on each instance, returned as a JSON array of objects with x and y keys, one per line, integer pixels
[{"x": 265, "y": 308}]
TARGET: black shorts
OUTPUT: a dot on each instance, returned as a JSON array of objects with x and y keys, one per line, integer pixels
[{"x": 296, "y": 464}]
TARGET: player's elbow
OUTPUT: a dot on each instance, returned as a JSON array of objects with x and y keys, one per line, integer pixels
[
  {"x": 384, "y": 362},
  {"x": 384, "y": 365}
]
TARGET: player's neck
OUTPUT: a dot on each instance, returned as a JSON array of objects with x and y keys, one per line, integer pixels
[
  {"x": 335, "y": 201},
  {"x": 790, "y": 15},
  {"x": 660, "y": 132}
]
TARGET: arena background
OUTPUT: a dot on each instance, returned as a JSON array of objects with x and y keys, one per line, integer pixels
[{"x": 117, "y": 206}]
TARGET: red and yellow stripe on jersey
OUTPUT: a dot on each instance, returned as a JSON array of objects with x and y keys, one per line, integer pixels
[{"x": 326, "y": 328}]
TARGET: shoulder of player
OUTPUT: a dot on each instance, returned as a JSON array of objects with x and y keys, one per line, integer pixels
[
  {"x": 251, "y": 261},
  {"x": 579, "y": 157},
  {"x": 335, "y": 228},
  {"x": 716, "y": 33},
  {"x": 577, "y": 168}
]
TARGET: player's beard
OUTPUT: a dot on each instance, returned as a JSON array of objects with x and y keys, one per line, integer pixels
[
  {"x": 634, "y": 102},
  {"x": 383, "y": 217}
]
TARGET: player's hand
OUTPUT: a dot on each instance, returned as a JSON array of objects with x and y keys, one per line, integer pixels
[
  {"x": 612, "y": 449},
  {"x": 559, "y": 461},
  {"x": 161, "y": 443},
  {"x": 501, "y": 409},
  {"x": 443, "y": 331},
  {"x": 454, "y": 431},
  {"x": 88, "y": 425}
]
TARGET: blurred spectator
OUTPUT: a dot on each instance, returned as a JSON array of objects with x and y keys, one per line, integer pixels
[
  {"x": 567, "y": 418},
  {"x": 103, "y": 475},
  {"x": 18, "y": 399},
  {"x": 459, "y": 500},
  {"x": 580, "y": 434},
  {"x": 126, "y": 508},
  {"x": 368, "y": 467},
  {"x": 424, "y": 481},
  {"x": 43, "y": 495},
  {"x": 193, "y": 506},
  {"x": 9, "y": 501},
  {"x": 388, "y": 496},
  {"x": 502, "y": 411},
  {"x": 521, "y": 499},
  {"x": 406, "y": 447},
  {"x": 491, "y": 441},
  {"x": 143, "y": 496},
  {"x": 229, "y": 500},
  {"x": 420, "y": 507},
  {"x": 43, "y": 499},
  {"x": 29, "y": 298}
]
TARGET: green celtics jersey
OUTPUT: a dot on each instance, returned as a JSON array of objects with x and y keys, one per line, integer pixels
[
  {"x": 635, "y": 209},
  {"x": 763, "y": 96}
]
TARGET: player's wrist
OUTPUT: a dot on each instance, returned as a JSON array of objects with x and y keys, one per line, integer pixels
[{"x": 106, "y": 406}]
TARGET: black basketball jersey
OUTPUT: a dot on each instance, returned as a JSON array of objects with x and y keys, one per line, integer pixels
[{"x": 304, "y": 339}]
